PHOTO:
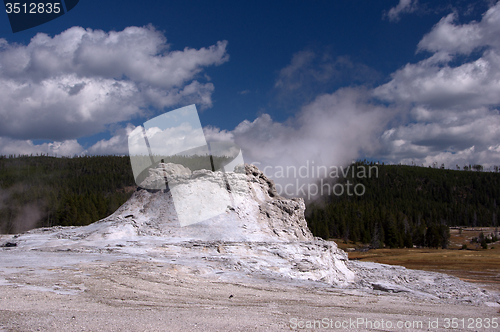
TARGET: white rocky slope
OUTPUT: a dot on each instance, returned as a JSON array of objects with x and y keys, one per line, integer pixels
[{"x": 258, "y": 233}]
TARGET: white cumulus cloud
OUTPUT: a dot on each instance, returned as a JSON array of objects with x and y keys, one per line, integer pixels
[
  {"x": 75, "y": 83},
  {"x": 403, "y": 7},
  {"x": 452, "y": 96},
  {"x": 116, "y": 145},
  {"x": 68, "y": 148},
  {"x": 438, "y": 83}
]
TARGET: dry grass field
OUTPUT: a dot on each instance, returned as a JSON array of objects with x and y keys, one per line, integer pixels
[{"x": 473, "y": 264}]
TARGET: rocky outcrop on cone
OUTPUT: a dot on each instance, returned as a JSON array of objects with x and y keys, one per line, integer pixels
[
  {"x": 158, "y": 175},
  {"x": 257, "y": 213}
]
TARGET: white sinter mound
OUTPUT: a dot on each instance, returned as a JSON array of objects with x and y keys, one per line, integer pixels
[
  {"x": 258, "y": 231},
  {"x": 252, "y": 233}
]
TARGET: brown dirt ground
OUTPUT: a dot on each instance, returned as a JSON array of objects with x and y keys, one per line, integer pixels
[{"x": 474, "y": 264}]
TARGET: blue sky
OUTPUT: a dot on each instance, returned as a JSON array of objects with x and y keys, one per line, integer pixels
[{"x": 288, "y": 81}]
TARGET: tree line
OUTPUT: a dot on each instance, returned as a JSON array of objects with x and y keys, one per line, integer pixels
[
  {"x": 402, "y": 207},
  {"x": 41, "y": 191},
  {"x": 406, "y": 206},
  {"x": 44, "y": 191}
]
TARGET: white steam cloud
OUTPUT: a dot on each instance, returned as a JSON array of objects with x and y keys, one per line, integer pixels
[{"x": 331, "y": 131}]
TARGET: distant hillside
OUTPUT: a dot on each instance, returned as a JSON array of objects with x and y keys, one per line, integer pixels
[
  {"x": 47, "y": 191},
  {"x": 404, "y": 206},
  {"x": 38, "y": 191},
  {"x": 407, "y": 206}
]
